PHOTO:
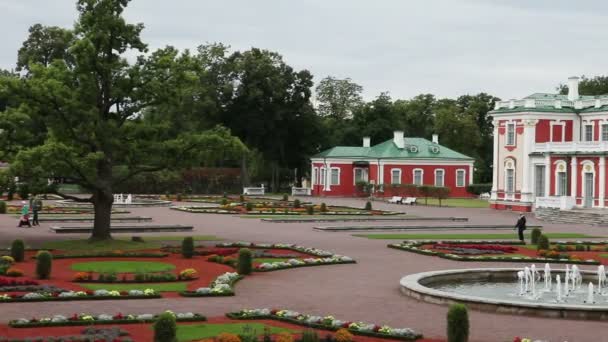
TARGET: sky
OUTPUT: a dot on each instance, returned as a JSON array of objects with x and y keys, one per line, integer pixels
[{"x": 508, "y": 48}]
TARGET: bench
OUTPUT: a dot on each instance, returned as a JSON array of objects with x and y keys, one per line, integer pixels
[
  {"x": 409, "y": 200},
  {"x": 300, "y": 191},
  {"x": 254, "y": 191},
  {"x": 396, "y": 199}
]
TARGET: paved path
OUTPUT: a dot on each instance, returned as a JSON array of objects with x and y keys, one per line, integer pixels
[{"x": 367, "y": 291}]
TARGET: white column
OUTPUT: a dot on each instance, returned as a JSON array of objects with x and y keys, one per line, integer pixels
[
  {"x": 602, "y": 194},
  {"x": 471, "y": 174},
  {"x": 312, "y": 176},
  {"x": 528, "y": 142},
  {"x": 495, "y": 162},
  {"x": 547, "y": 175},
  {"x": 573, "y": 177},
  {"x": 327, "y": 177}
]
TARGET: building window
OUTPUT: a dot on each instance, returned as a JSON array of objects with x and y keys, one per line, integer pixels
[
  {"x": 315, "y": 175},
  {"x": 460, "y": 178},
  {"x": 539, "y": 181},
  {"x": 395, "y": 176},
  {"x": 335, "y": 176},
  {"x": 360, "y": 175},
  {"x": 511, "y": 134},
  {"x": 418, "y": 180},
  {"x": 322, "y": 176},
  {"x": 562, "y": 184},
  {"x": 588, "y": 132},
  {"x": 605, "y": 132},
  {"x": 439, "y": 177},
  {"x": 510, "y": 180}
]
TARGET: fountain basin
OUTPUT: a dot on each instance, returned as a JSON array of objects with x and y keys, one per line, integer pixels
[
  {"x": 434, "y": 287},
  {"x": 137, "y": 202}
]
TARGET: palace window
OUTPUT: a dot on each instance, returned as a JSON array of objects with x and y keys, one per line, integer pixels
[
  {"x": 360, "y": 175},
  {"x": 562, "y": 184},
  {"x": 439, "y": 177},
  {"x": 511, "y": 134},
  {"x": 322, "y": 182},
  {"x": 588, "y": 132},
  {"x": 418, "y": 180},
  {"x": 335, "y": 176},
  {"x": 605, "y": 132},
  {"x": 315, "y": 175},
  {"x": 539, "y": 181},
  {"x": 460, "y": 178},
  {"x": 510, "y": 181},
  {"x": 395, "y": 176}
]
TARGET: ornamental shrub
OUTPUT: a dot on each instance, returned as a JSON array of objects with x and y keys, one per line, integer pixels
[
  {"x": 249, "y": 206},
  {"x": 284, "y": 337},
  {"x": 18, "y": 250},
  {"x": 458, "y": 323},
  {"x": 543, "y": 242},
  {"x": 296, "y": 203},
  {"x": 343, "y": 335},
  {"x": 310, "y": 210},
  {"x": 245, "y": 263},
  {"x": 323, "y": 207},
  {"x": 2, "y": 207},
  {"x": 478, "y": 189},
  {"x": 44, "y": 262},
  {"x": 309, "y": 335},
  {"x": 536, "y": 233},
  {"x": 241, "y": 198},
  {"x": 188, "y": 247},
  {"x": 228, "y": 337},
  {"x": 579, "y": 247},
  {"x": 14, "y": 272},
  {"x": 165, "y": 328},
  {"x": 285, "y": 197},
  {"x": 368, "y": 205},
  {"x": 224, "y": 201}
]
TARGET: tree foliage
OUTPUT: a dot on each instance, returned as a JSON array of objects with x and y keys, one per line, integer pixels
[{"x": 338, "y": 98}]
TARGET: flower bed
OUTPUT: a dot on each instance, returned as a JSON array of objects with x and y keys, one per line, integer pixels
[
  {"x": 474, "y": 249},
  {"x": 89, "y": 319},
  {"x": 143, "y": 277},
  {"x": 115, "y": 254},
  {"x": 288, "y": 246},
  {"x": 415, "y": 246},
  {"x": 328, "y": 323},
  {"x": 86, "y": 335},
  {"x": 78, "y": 295},
  {"x": 221, "y": 286}
]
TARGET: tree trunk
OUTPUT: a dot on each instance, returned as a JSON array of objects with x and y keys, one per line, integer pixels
[
  {"x": 102, "y": 201},
  {"x": 244, "y": 171}
]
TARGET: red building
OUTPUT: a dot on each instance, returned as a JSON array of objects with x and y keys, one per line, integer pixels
[{"x": 401, "y": 160}]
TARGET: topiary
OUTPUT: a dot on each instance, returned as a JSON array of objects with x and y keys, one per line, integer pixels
[
  {"x": 536, "y": 233},
  {"x": 296, "y": 203},
  {"x": 285, "y": 197},
  {"x": 228, "y": 337},
  {"x": 245, "y": 263},
  {"x": 44, "y": 263},
  {"x": 241, "y": 198},
  {"x": 2, "y": 207},
  {"x": 18, "y": 250},
  {"x": 224, "y": 201},
  {"x": 368, "y": 205},
  {"x": 165, "y": 328},
  {"x": 458, "y": 323},
  {"x": 579, "y": 247},
  {"x": 249, "y": 206},
  {"x": 310, "y": 210},
  {"x": 188, "y": 247},
  {"x": 309, "y": 335},
  {"x": 284, "y": 337},
  {"x": 543, "y": 242},
  {"x": 343, "y": 335},
  {"x": 323, "y": 207}
]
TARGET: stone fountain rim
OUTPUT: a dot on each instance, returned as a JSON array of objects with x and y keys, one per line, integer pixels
[{"x": 412, "y": 283}]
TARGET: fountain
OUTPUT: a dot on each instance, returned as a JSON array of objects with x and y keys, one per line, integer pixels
[
  {"x": 547, "y": 277},
  {"x": 558, "y": 288},
  {"x": 590, "y": 294},
  {"x": 601, "y": 278}
]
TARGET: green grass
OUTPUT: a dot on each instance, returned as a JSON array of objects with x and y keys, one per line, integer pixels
[
  {"x": 456, "y": 202},
  {"x": 159, "y": 287},
  {"x": 603, "y": 255},
  {"x": 122, "y": 266},
  {"x": 191, "y": 332},
  {"x": 99, "y": 246},
  {"x": 465, "y": 236},
  {"x": 269, "y": 260}
]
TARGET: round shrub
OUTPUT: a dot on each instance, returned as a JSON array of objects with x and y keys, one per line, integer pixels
[
  {"x": 310, "y": 210},
  {"x": 284, "y": 337},
  {"x": 343, "y": 335},
  {"x": 368, "y": 205},
  {"x": 2, "y": 207},
  {"x": 228, "y": 337},
  {"x": 536, "y": 233},
  {"x": 285, "y": 197},
  {"x": 249, "y": 206},
  {"x": 458, "y": 323},
  {"x": 241, "y": 198},
  {"x": 296, "y": 203},
  {"x": 165, "y": 328},
  {"x": 245, "y": 263},
  {"x": 44, "y": 262},
  {"x": 309, "y": 335},
  {"x": 543, "y": 242},
  {"x": 18, "y": 250},
  {"x": 323, "y": 207},
  {"x": 188, "y": 247},
  {"x": 224, "y": 201}
]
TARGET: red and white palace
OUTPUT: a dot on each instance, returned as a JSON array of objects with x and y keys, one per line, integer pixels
[
  {"x": 550, "y": 151},
  {"x": 401, "y": 160}
]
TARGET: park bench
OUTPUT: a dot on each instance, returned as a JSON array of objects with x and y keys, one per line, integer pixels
[
  {"x": 396, "y": 199},
  {"x": 409, "y": 200}
]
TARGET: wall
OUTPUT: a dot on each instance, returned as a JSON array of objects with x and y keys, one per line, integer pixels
[{"x": 407, "y": 176}]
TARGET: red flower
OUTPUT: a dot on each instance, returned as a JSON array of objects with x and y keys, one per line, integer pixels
[
  {"x": 517, "y": 339},
  {"x": 89, "y": 293},
  {"x": 377, "y": 328},
  {"x": 345, "y": 325},
  {"x": 74, "y": 317},
  {"x": 118, "y": 316},
  {"x": 274, "y": 311}
]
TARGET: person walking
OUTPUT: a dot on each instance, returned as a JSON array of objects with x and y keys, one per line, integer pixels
[
  {"x": 25, "y": 215},
  {"x": 36, "y": 207},
  {"x": 521, "y": 226}
]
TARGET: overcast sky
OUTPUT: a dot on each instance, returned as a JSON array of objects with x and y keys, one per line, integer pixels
[{"x": 448, "y": 48}]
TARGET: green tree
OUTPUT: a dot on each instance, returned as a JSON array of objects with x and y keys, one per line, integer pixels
[
  {"x": 44, "y": 45},
  {"x": 376, "y": 119},
  {"x": 92, "y": 102},
  {"x": 338, "y": 98},
  {"x": 597, "y": 85}
]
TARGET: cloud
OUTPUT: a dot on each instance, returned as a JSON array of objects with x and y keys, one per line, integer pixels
[{"x": 448, "y": 48}]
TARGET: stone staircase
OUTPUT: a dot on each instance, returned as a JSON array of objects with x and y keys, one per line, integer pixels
[{"x": 594, "y": 217}]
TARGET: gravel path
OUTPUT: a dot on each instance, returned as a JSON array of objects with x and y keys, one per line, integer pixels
[{"x": 368, "y": 290}]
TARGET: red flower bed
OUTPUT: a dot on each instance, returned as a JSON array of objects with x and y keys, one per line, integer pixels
[
  {"x": 500, "y": 248},
  {"x": 218, "y": 251},
  {"x": 13, "y": 282}
]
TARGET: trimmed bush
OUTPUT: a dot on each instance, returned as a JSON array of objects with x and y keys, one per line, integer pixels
[
  {"x": 241, "y": 198},
  {"x": 323, "y": 207},
  {"x": 579, "y": 247},
  {"x": 343, "y": 335},
  {"x": 249, "y": 206},
  {"x": 2, "y": 207},
  {"x": 44, "y": 263},
  {"x": 368, "y": 205},
  {"x": 296, "y": 203},
  {"x": 165, "y": 328},
  {"x": 18, "y": 250},
  {"x": 310, "y": 210},
  {"x": 309, "y": 335},
  {"x": 536, "y": 233},
  {"x": 224, "y": 201},
  {"x": 285, "y": 197},
  {"x": 245, "y": 263},
  {"x": 478, "y": 189},
  {"x": 543, "y": 242},
  {"x": 458, "y": 323},
  {"x": 188, "y": 247}
]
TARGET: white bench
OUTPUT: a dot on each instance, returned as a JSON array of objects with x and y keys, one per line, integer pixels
[
  {"x": 409, "y": 200},
  {"x": 300, "y": 191},
  {"x": 254, "y": 191},
  {"x": 396, "y": 199}
]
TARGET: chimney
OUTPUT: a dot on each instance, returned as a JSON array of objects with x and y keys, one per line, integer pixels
[
  {"x": 435, "y": 139},
  {"x": 366, "y": 141},
  {"x": 398, "y": 139},
  {"x": 573, "y": 88}
]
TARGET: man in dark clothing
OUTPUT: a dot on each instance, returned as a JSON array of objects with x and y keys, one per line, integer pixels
[
  {"x": 36, "y": 207},
  {"x": 521, "y": 226}
]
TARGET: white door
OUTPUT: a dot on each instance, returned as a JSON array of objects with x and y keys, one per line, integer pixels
[{"x": 588, "y": 194}]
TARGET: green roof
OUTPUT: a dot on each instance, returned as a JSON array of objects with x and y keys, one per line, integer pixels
[
  {"x": 543, "y": 102},
  {"x": 547, "y": 96},
  {"x": 415, "y": 148}
]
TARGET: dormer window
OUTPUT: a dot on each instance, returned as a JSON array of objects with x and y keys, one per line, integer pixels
[
  {"x": 434, "y": 149},
  {"x": 414, "y": 149}
]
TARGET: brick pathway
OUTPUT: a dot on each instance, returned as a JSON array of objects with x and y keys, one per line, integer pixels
[{"x": 367, "y": 291}]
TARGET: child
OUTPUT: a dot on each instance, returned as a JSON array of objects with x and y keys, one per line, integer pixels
[{"x": 25, "y": 215}]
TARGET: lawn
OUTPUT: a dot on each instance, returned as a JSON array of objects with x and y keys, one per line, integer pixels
[
  {"x": 192, "y": 332},
  {"x": 466, "y": 236},
  {"x": 269, "y": 260},
  {"x": 99, "y": 246},
  {"x": 122, "y": 266},
  {"x": 456, "y": 202},
  {"x": 159, "y": 287}
]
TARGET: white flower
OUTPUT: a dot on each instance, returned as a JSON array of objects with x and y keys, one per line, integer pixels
[
  {"x": 185, "y": 315},
  {"x": 100, "y": 293},
  {"x": 32, "y": 295},
  {"x": 136, "y": 293},
  {"x": 104, "y": 317},
  {"x": 59, "y": 318},
  {"x": 67, "y": 294},
  {"x": 143, "y": 317},
  {"x": 203, "y": 290}
]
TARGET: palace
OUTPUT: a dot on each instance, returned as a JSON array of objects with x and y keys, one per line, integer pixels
[
  {"x": 401, "y": 160},
  {"x": 550, "y": 151}
]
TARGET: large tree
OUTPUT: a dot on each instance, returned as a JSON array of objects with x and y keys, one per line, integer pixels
[
  {"x": 338, "y": 98},
  {"x": 597, "y": 85},
  {"x": 92, "y": 102}
]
